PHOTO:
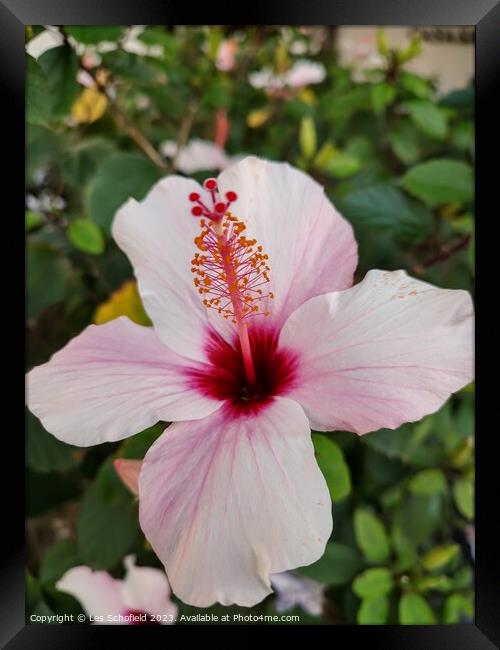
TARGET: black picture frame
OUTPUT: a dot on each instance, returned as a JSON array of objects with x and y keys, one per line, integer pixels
[{"x": 485, "y": 16}]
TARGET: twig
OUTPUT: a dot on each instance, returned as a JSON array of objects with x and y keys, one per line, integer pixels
[
  {"x": 133, "y": 132},
  {"x": 445, "y": 252},
  {"x": 120, "y": 118},
  {"x": 184, "y": 131}
]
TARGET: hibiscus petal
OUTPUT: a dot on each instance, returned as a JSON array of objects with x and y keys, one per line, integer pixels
[
  {"x": 110, "y": 382},
  {"x": 197, "y": 155},
  {"x": 387, "y": 351},
  {"x": 292, "y": 589},
  {"x": 97, "y": 591},
  {"x": 311, "y": 247},
  {"x": 128, "y": 470},
  {"x": 227, "y": 501},
  {"x": 157, "y": 235},
  {"x": 145, "y": 589}
]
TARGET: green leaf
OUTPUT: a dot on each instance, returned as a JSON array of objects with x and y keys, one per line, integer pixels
[
  {"x": 416, "y": 85},
  {"x": 415, "y": 610},
  {"x": 60, "y": 65},
  {"x": 44, "y": 452},
  {"x": 383, "y": 94},
  {"x": 405, "y": 550},
  {"x": 440, "y": 181},
  {"x": 87, "y": 236},
  {"x": 38, "y": 100},
  {"x": 217, "y": 93},
  {"x": 439, "y": 556},
  {"x": 307, "y": 137},
  {"x": 43, "y": 609},
  {"x": 462, "y": 578},
  {"x": 463, "y": 225},
  {"x": 343, "y": 165},
  {"x": 110, "y": 487},
  {"x": 81, "y": 159},
  {"x": 428, "y": 481},
  {"x": 61, "y": 602},
  {"x": 43, "y": 146},
  {"x": 337, "y": 566},
  {"x": 120, "y": 177},
  {"x": 391, "y": 498},
  {"x": 408, "y": 444},
  {"x": 32, "y": 220},
  {"x": 458, "y": 607},
  {"x": 33, "y": 592},
  {"x": 373, "y": 583},
  {"x": 384, "y": 207},
  {"x": 333, "y": 466},
  {"x": 382, "y": 42},
  {"x": 47, "y": 490},
  {"x": 463, "y": 494},
  {"x": 373, "y": 611},
  {"x": 420, "y": 515},
  {"x": 434, "y": 583},
  {"x": 59, "y": 558},
  {"x": 371, "y": 536},
  {"x": 429, "y": 118},
  {"x": 381, "y": 470},
  {"x": 129, "y": 66},
  {"x": 49, "y": 278},
  {"x": 410, "y": 52},
  {"x": 463, "y": 98},
  {"x": 471, "y": 254},
  {"x": 324, "y": 156},
  {"x": 92, "y": 34},
  {"x": 106, "y": 529},
  {"x": 341, "y": 106},
  {"x": 462, "y": 135},
  {"x": 404, "y": 142}
]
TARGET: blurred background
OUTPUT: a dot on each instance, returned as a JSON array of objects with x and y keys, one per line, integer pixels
[{"x": 384, "y": 119}]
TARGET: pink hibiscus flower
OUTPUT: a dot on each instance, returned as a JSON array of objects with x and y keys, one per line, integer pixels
[
  {"x": 258, "y": 336},
  {"x": 301, "y": 74},
  {"x": 141, "y": 598},
  {"x": 226, "y": 55}
]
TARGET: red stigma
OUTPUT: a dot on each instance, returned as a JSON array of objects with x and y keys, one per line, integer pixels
[
  {"x": 210, "y": 184},
  {"x": 212, "y": 208}
]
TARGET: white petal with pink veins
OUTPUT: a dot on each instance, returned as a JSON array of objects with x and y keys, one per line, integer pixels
[
  {"x": 197, "y": 155},
  {"x": 387, "y": 351},
  {"x": 304, "y": 73},
  {"x": 128, "y": 470},
  {"x": 294, "y": 590},
  {"x": 311, "y": 247},
  {"x": 110, "y": 382},
  {"x": 227, "y": 501},
  {"x": 146, "y": 589},
  {"x": 99, "y": 593}
]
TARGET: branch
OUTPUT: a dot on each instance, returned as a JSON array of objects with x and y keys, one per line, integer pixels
[
  {"x": 133, "y": 132},
  {"x": 445, "y": 252}
]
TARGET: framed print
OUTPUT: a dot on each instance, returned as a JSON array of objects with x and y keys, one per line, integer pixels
[{"x": 250, "y": 280}]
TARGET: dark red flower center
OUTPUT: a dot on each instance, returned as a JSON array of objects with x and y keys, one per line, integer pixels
[
  {"x": 140, "y": 618},
  {"x": 225, "y": 377}
]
